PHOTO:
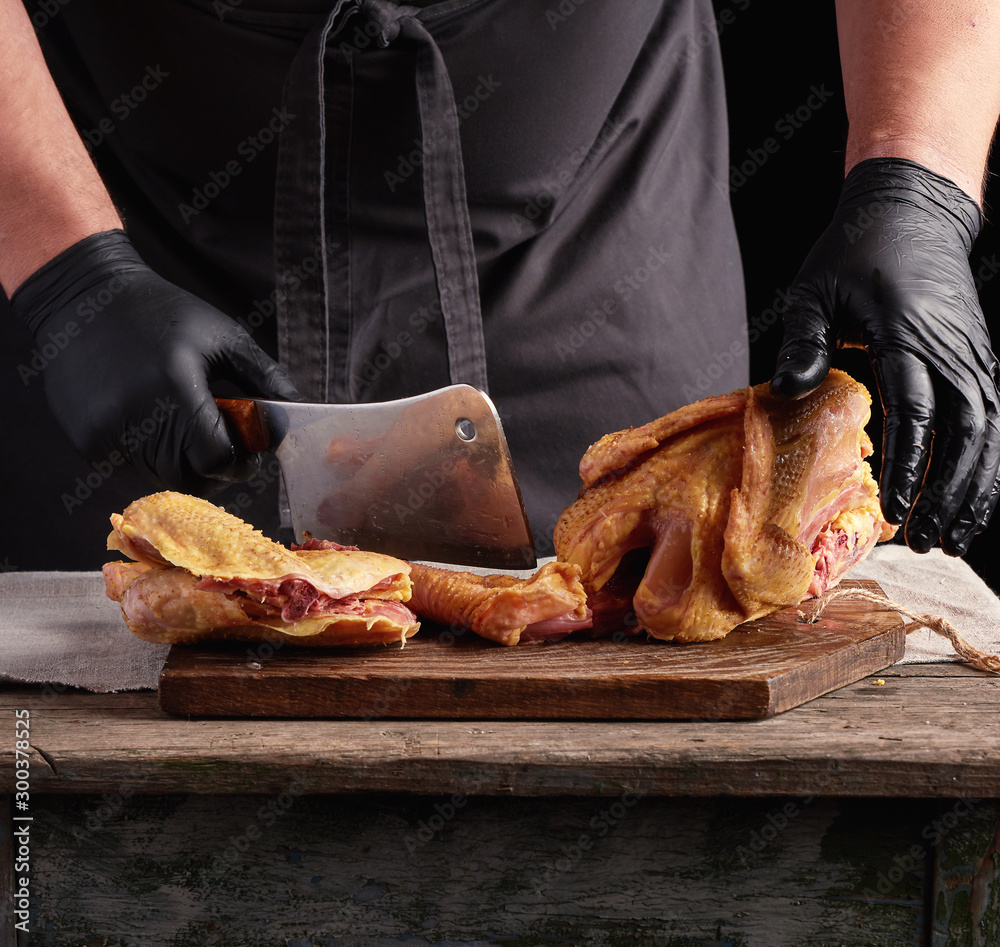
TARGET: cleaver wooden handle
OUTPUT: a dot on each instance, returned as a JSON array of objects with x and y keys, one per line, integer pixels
[{"x": 246, "y": 418}]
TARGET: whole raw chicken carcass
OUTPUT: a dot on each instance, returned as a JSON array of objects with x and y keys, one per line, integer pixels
[{"x": 724, "y": 510}]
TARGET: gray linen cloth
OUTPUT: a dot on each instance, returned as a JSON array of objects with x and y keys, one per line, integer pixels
[
  {"x": 59, "y": 628},
  {"x": 938, "y": 585}
]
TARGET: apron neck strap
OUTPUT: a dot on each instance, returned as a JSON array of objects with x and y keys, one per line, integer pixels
[{"x": 312, "y": 346}]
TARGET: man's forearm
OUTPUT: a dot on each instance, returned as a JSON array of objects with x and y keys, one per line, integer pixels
[
  {"x": 50, "y": 193},
  {"x": 922, "y": 81}
]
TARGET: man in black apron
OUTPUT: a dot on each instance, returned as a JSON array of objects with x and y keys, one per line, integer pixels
[{"x": 387, "y": 199}]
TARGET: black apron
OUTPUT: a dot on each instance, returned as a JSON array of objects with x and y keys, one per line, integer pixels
[{"x": 531, "y": 197}]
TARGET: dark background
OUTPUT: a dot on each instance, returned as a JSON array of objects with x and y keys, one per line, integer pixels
[{"x": 774, "y": 54}]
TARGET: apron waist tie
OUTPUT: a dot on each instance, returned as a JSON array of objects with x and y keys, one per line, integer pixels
[{"x": 314, "y": 308}]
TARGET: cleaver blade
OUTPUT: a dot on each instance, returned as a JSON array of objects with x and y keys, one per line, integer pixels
[{"x": 426, "y": 478}]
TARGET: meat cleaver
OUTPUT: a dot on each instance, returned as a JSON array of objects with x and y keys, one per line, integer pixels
[{"x": 428, "y": 477}]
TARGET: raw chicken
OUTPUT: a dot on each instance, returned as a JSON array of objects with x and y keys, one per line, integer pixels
[
  {"x": 170, "y": 605},
  {"x": 545, "y": 607},
  {"x": 724, "y": 510},
  {"x": 201, "y": 573}
]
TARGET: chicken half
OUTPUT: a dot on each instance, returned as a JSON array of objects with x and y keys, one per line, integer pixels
[
  {"x": 201, "y": 573},
  {"x": 724, "y": 510}
]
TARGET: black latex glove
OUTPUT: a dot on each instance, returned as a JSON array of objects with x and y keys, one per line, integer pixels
[
  {"x": 132, "y": 356},
  {"x": 891, "y": 273}
]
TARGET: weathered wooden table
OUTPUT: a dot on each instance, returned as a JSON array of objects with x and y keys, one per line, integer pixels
[{"x": 866, "y": 817}]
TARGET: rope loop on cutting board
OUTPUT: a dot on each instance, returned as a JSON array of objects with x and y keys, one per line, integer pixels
[{"x": 979, "y": 659}]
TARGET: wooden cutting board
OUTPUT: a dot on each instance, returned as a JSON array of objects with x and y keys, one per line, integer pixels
[{"x": 756, "y": 671}]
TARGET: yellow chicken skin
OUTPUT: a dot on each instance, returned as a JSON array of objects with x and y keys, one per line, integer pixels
[
  {"x": 203, "y": 574},
  {"x": 724, "y": 510}
]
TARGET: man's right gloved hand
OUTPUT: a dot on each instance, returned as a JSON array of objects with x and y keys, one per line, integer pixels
[{"x": 136, "y": 355}]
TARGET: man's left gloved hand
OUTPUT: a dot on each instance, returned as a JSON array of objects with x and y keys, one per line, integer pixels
[{"x": 891, "y": 273}]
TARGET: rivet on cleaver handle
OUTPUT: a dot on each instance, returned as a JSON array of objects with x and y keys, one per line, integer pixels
[{"x": 428, "y": 477}]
